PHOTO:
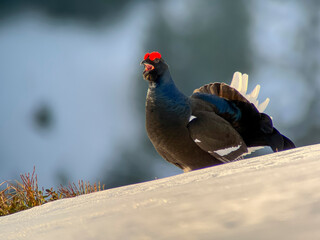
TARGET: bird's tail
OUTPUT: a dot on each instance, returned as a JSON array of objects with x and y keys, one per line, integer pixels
[
  {"x": 287, "y": 143},
  {"x": 265, "y": 134},
  {"x": 279, "y": 142}
]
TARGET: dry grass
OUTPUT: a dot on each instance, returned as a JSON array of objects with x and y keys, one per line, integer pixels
[
  {"x": 18, "y": 196},
  {"x": 73, "y": 190}
]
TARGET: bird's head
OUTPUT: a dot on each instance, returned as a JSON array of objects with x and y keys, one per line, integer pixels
[{"x": 154, "y": 66}]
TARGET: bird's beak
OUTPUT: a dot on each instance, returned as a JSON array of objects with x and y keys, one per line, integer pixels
[{"x": 142, "y": 62}]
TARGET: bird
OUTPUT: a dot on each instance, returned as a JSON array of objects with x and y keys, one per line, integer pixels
[{"x": 217, "y": 124}]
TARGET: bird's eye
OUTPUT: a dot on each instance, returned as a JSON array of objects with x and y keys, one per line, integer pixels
[{"x": 156, "y": 60}]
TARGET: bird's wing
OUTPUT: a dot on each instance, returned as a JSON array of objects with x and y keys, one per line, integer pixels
[
  {"x": 216, "y": 136},
  {"x": 214, "y": 103}
]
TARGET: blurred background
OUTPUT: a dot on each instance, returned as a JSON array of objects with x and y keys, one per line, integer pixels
[{"x": 71, "y": 88}]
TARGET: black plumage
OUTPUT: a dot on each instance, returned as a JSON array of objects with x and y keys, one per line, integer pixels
[{"x": 216, "y": 124}]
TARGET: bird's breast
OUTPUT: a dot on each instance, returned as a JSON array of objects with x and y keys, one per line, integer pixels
[{"x": 164, "y": 122}]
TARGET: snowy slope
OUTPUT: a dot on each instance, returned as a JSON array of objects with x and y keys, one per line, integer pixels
[{"x": 275, "y": 196}]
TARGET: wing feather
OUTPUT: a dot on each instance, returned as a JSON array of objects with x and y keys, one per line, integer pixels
[{"x": 216, "y": 136}]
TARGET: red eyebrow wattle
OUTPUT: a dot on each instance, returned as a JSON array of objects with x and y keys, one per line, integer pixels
[
  {"x": 146, "y": 56},
  {"x": 154, "y": 55}
]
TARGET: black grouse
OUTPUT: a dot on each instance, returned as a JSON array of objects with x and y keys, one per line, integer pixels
[{"x": 218, "y": 123}]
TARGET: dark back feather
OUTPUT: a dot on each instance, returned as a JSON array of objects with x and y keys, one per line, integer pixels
[{"x": 222, "y": 90}]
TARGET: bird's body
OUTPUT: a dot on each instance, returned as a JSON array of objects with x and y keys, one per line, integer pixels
[
  {"x": 216, "y": 124},
  {"x": 167, "y": 116}
]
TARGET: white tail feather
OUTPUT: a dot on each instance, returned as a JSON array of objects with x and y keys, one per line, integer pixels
[
  {"x": 240, "y": 83},
  {"x": 244, "y": 83},
  {"x": 263, "y": 106}
]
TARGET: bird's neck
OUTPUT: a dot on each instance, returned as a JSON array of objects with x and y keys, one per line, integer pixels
[
  {"x": 165, "y": 90},
  {"x": 163, "y": 96}
]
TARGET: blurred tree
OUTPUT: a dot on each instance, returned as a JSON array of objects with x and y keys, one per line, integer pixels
[
  {"x": 43, "y": 117},
  {"x": 93, "y": 10},
  {"x": 204, "y": 42},
  {"x": 309, "y": 127},
  {"x": 131, "y": 166},
  {"x": 293, "y": 59}
]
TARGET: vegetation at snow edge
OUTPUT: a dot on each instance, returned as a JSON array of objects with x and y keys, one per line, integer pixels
[{"x": 25, "y": 194}]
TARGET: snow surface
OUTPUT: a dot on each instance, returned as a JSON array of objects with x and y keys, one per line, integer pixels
[{"x": 275, "y": 196}]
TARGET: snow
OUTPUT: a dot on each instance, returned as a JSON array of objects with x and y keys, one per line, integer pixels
[{"x": 275, "y": 196}]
